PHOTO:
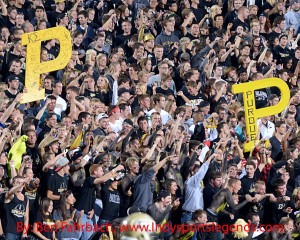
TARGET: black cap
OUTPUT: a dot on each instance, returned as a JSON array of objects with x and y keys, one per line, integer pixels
[
  {"x": 13, "y": 77},
  {"x": 76, "y": 155},
  {"x": 61, "y": 16},
  {"x": 263, "y": 14},
  {"x": 128, "y": 121}
]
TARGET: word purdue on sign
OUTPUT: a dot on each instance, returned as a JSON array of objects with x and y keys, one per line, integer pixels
[
  {"x": 34, "y": 66},
  {"x": 251, "y": 113}
]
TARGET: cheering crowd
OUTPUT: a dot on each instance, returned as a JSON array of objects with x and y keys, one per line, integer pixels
[{"x": 142, "y": 123}]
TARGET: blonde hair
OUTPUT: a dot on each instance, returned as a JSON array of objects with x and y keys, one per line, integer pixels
[
  {"x": 88, "y": 56},
  {"x": 239, "y": 229},
  {"x": 142, "y": 87},
  {"x": 106, "y": 88},
  {"x": 213, "y": 11},
  {"x": 169, "y": 105}
]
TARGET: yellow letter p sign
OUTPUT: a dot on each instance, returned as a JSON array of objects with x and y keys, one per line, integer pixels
[
  {"x": 251, "y": 113},
  {"x": 34, "y": 66}
]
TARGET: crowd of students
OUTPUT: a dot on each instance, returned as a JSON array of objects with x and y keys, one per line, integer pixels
[{"x": 143, "y": 119}]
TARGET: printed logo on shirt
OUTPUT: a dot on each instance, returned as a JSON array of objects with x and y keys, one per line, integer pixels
[
  {"x": 114, "y": 198},
  {"x": 62, "y": 187},
  {"x": 19, "y": 210},
  {"x": 196, "y": 102},
  {"x": 30, "y": 195}
]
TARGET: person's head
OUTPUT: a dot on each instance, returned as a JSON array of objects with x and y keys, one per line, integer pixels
[
  {"x": 126, "y": 27},
  {"x": 158, "y": 52},
  {"x": 15, "y": 66},
  {"x": 57, "y": 88},
  {"x": 200, "y": 216},
  {"x": 232, "y": 171},
  {"x": 216, "y": 179},
  {"x": 168, "y": 25},
  {"x": 17, "y": 180},
  {"x": 280, "y": 187},
  {"x": 292, "y": 153},
  {"x": 254, "y": 219},
  {"x": 237, "y": 4},
  {"x": 66, "y": 202},
  {"x": 52, "y": 103},
  {"x": 159, "y": 100},
  {"x": 46, "y": 207},
  {"x": 171, "y": 186},
  {"x": 223, "y": 128},
  {"x": 283, "y": 40},
  {"x": 124, "y": 110},
  {"x": 51, "y": 120},
  {"x": 144, "y": 101},
  {"x": 260, "y": 187},
  {"x": 96, "y": 170},
  {"x": 31, "y": 134},
  {"x": 243, "y": 12},
  {"x": 28, "y": 173},
  {"x": 234, "y": 184},
  {"x": 83, "y": 17},
  {"x": 250, "y": 169},
  {"x": 13, "y": 82},
  {"x": 77, "y": 37},
  {"x": 138, "y": 50},
  {"x": 143, "y": 123},
  {"x": 283, "y": 74},
  {"x": 204, "y": 107},
  {"x": 132, "y": 164},
  {"x": 280, "y": 127},
  {"x": 155, "y": 119},
  {"x": 273, "y": 100},
  {"x": 288, "y": 224},
  {"x": 164, "y": 197},
  {"x": 295, "y": 5},
  {"x": 84, "y": 118},
  {"x": 103, "y": 121}
]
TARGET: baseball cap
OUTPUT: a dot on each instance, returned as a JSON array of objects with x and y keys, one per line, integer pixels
[
  {"x": 128, "y": 121},
  {"x": 76, "y": 155},
  {"x": 102, "y": 115},
  {"x": 60, "y": 163},
  {"x": 13, "y": 77},
  {"x": 263, "y": 14},
  {"x": 61, "y": 16}
]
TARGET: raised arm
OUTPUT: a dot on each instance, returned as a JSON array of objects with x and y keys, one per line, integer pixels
[
  {"x": 10, "y": 109},
  {"x": 113, "y": 173}
]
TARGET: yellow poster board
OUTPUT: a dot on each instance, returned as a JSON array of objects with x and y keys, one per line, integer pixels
[
  {"x": 34, "y": 66},
  {"x": 251, "y": 113}
]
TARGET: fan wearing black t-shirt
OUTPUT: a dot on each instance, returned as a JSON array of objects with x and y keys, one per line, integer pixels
[
  {"x": 284, "y": 205},
  {"x": 87, "y": 198},
  {"x": 58, "y": 182},
  {"x": 111, "y": 199},
  {"x": 193, "y": 95},
  {"x": 253, "y": 174},
  {"x": 165, "y": 86}
]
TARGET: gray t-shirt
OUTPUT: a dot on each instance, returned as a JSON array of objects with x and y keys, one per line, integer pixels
[{"x": 67, "y": 231}]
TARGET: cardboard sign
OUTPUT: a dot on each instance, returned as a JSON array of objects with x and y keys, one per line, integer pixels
[
  {"x": 251, "y": 113},
  {"x": 34, "y": 66}
]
